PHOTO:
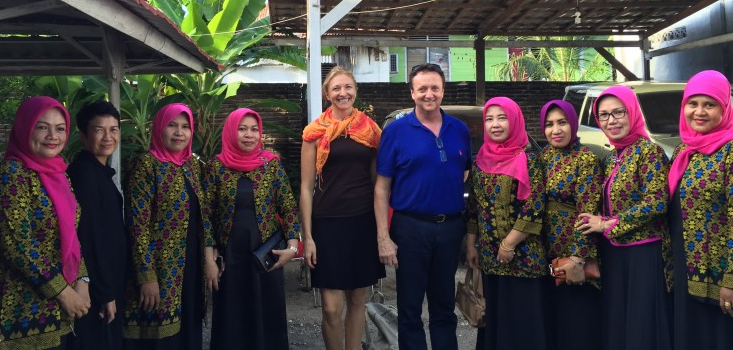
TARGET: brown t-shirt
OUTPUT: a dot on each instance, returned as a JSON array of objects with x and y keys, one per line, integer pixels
[{"x": 345, "y": 188}]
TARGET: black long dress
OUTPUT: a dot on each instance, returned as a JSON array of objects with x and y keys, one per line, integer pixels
[
  {"x": 104, "y": 244},
  {"x": 698, "y": 323},
  {"x": 249, "y": 308}
]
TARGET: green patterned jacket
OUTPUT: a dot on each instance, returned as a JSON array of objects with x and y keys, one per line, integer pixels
[
  {"x": 30, "y": 270},
  {"x": 157, "y": 206},
  {"x": 273, "y": 198}
]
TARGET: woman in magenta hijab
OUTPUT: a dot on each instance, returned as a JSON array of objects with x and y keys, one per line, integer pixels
[
  {"x": 43, "y": 280},
  {"x": 165, "y": 307},
  {"x": 250, "y": 200},
  {"x": 633, "y": 228},
  {"x": 572, "y": 186},
  {"x": 701, "y": 183},
  {"x": 507, "y": 204}
]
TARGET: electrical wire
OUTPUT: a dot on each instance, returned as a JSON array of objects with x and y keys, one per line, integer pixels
[{"x": 303, "y": 15}]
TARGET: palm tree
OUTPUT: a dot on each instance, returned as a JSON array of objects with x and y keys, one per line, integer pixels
[{"x": 556, "y": 63}]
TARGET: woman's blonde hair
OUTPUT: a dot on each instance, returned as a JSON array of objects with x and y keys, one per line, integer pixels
[{"x": 334, "y": 72}]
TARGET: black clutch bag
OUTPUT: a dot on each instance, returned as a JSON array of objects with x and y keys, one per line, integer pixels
[{"x": 263, "y": 257}]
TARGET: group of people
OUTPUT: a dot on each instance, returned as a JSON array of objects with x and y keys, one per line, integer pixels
[{"x": 83, "y": 266}]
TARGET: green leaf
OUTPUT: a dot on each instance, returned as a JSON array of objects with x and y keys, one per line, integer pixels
[
  {"x": 198, "y": 27},
  {"x": 225, "y": 23},
  {"x": 328, "y": 50},
  {"x": 171, "y": 8}
]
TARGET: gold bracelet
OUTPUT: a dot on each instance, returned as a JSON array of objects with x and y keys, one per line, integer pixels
[
  {"x": 504, "y": 247},
  {"x": 577, "y": 262}
]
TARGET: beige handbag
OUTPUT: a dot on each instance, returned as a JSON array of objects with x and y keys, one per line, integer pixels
[{"x": 470, "y": 298}]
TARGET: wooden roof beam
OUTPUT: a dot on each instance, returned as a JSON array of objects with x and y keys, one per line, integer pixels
[
  {"x": 616, "y": 64},
  {"x": 82, "y": 49},
  {"x": 549, "y": 19},
  {"x": 116, "y": 16},
  {"x": 503, "y": 16},
  {"x": 464, "y": 9},
  {"x": 29, "y": 8},
  {"x": 422, "y": 19}
]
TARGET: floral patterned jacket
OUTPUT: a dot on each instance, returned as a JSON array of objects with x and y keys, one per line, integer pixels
[
  {"x": 493, "y": 203},
  {"x": 706, "y": 200},
  {"x": 635, "y": 194},
  {"x": 273, "y": 198},
  {"x": 30, "y": 269},
  {"x": 572, "y": 186},
  {"x": 158, "y": 212}
]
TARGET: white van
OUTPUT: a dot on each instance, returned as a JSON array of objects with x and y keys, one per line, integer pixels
[{"x": 660, "y": 106}]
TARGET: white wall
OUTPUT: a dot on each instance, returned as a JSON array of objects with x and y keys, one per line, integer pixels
[
  {"x": 267, "y": 74},
  {"x": 366, "y": 69}
]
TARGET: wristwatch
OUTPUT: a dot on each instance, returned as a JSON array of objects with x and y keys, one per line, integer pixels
[
  {"x": 84, "y": 279},
  {"x": 294, "y": 249}
]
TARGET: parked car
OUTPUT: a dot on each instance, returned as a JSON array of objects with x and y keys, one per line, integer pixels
[
  {"x": 660, "y": 106},
  {"x": 470, "y": 115}
]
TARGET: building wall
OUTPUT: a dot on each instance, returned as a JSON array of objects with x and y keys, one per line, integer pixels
[
  {"x": 714, "y": 20},
  {"x": 401, "y": 75}
]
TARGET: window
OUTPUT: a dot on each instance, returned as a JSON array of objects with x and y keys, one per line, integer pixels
[{"x": 393, "y": 63}]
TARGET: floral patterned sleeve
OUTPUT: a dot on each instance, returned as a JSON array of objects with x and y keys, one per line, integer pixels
[
  {"x": 287, "y": 208},
  {"x": 530, "y": 215},
  {"x": 652, "y": 202},
  {"x": 141, "y": 187},
  {"x": 588, "y": 190},
  {"x": 26, "y": 246}
]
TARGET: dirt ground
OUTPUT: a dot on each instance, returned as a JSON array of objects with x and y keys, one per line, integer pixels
[{"x": 304, "y": 318}]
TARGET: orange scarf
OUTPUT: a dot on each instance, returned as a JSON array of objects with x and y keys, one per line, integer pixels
[{"x": 358, "y": 126}]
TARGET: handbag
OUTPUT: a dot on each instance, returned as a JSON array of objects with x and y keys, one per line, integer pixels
[
  {"x": 590, "y": 268},
  {"x": 470, "y": 298},
  {"x": 263, "y": 257}
]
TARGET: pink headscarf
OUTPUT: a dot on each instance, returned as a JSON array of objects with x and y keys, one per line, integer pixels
[
  {"x": 716, "y": 86},
  {"x": 231, "y": 155},
  {"x": 570, "y": 114},
  {"x": 51, "y": 171},
  {"x": 166, "y": 115},
  {"x": 633, "y": 111},
  {"x": 507, "y": 158}
]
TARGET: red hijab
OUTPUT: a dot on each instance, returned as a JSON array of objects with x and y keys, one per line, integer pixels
[
  {"x": 166, "y": 115},
  {"x": 716, "y": 86},
  {"x": 507, "y": 158},
  {"x": 52, "y": 172},
  {"x": 234, "y": 157},
  {"x": 633, "y": 111}
]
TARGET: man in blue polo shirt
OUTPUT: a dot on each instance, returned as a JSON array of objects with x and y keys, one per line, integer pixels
[{"x": 422, "y": 162}]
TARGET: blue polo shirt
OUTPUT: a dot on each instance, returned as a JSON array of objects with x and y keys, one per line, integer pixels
[{"x": 421, "y": 182}]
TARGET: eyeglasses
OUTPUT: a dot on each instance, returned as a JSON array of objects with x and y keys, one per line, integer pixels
[
  {"x": 427, "y": 66},
  {"x": 616, "y": 113},
  {"x": 443, "y": 155}
]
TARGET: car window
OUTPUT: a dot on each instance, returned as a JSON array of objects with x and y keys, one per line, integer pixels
[
  {"x": 588, "y": 119},
  {"x": 662, "y": 111},
  {"x": 575, "y": 97}
]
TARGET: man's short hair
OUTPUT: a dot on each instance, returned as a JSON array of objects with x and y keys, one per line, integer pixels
[
  {"x": 426, "y": 67},
  {"x": 93, "y": 110}
]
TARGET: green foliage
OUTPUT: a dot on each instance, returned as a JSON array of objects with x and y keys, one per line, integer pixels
[
  {"x": 13, "y": 91},
  {"x": 286, "y": 54},
  {"x": 557, "y": 64}
]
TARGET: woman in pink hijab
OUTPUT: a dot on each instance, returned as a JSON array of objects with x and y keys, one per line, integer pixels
[
  {"x": 508, "y": 202},
  {"x": 633, "y": 228},
  {"x": 43, "y": 280},
  {"x": 701, "y": 184},
  {"x": 250, "y": 201},
  {"x": 168, "y": 232}
]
